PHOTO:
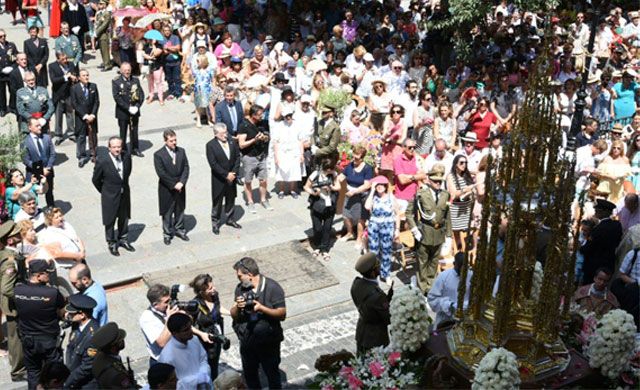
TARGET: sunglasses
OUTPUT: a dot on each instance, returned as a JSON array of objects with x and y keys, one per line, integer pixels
[
  {"x": 2, "y": 36},
  {"x": 397, "y": 67},
  {"x": 396, "y": 112},
  {"x": 410, "y": 147},
  {"x": 616, "y": 148},
  {"x": 462, "y": 163}
]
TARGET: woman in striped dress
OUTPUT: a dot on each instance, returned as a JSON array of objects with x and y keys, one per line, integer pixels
[{"x": 460, "y": 184}]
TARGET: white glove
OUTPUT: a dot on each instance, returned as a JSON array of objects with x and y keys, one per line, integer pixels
[
  {"x": 84, "y": 118},
  {"x": 133, "y": 110},
  {"x": 445, "y": 249},
  {"x": 42, "y": 121},
  {"x": 7, "y": 69},
  {"x": 416, "y": 234},
  {"x": 314, "y": 149},
  {"x": 75, "y": 29}
]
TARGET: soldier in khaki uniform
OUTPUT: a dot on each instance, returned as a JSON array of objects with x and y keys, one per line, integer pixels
[
  {"x": 108, "y": 369},
  {"x": 327, "y": 135},
  {"x": 102, "y": 28},
  {"x": 430, "y": 222},
  {"x": 9, "y": 235}
]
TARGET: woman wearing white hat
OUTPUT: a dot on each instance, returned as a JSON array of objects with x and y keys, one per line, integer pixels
[{"x": 288, "y": 151}]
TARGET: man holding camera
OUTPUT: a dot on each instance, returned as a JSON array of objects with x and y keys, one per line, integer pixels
[
  {"x": 253, "y": 139},
  {"x": 80, "y": 352},
  {"x": 257, "y": 312},
  {"x": 186, "y": 354}
]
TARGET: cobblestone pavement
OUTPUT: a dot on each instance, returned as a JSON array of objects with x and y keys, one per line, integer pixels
[{"x": 320, "y": 321}]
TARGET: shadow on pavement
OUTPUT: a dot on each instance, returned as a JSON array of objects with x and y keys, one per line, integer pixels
[
  {"x": 135, "y": 231},
  {"x": 64, "y": 205}
]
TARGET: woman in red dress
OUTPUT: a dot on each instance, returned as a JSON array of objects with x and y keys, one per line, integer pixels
[{"x": 54, "y": 20}]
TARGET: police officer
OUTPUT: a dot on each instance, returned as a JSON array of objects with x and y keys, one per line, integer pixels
[
  {"x": 372, "y": 304},
  {"x": 128, "y": 95},
  {"x": 33, "y": 102},
  {"x": 108, "y": 369},
  {"x": 102, "y": 25},
  {"x": 9, "y": 236},
  {"x": 68, "y": 44},
  {"x": 80, "y": 353},
  {"x": 8, "y": 53},
  {"x": 430, "y": 222},
  {"x": 39, "y": 308},
  {"x": 327, "y": 135}
]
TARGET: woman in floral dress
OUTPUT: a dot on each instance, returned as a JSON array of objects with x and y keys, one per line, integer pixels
[{"x": 202, "y": 88}]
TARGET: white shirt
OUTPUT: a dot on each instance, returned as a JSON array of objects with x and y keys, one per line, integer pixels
[
  {"x": 151, "y": 327},
  {"x": 625, "y": 268},
  {"x": 444, "y": 294},
  {"x": 584, "y": 161},
  {"x": 38, "y": 219},
  {"x": 432, "y": 160},
  {"x": 65, "y": 236},
  {"x": 409, "y": 105},
  {"x": 304, "y": 121},
  {"x": 473, "y": 160},
  {"x": 117, "y": 162},
  {"x": 189, "y": 360}
]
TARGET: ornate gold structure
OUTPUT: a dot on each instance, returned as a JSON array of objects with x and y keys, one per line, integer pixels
[{"x": 533, "y": 184}]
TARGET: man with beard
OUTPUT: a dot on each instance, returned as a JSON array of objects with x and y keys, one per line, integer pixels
[
  {"x": 39, "y": 307},
  {"x": 107, "y": 367},
  {"x": 443, "y": 296},
  {"x": 80, "y": 353},
  {"x": 409, "y": 101},
  {"x": 80, "y": 278},
  {"x": 186, "y": 354}
]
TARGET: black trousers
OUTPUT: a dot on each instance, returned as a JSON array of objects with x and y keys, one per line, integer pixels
[
  {"x": 130, "y": 124},
  {"x": 229, "y": 198},
  {"x": 123, "y": 227},
  {"x": 38, "y": 350},
  {"x": 4, "y": 90},
  {"x": 49, "y": 195},
  {"x": 173, "y": 220},
  {"x": 82, "y": 136},
  {"x": 321, "y": 223},
  {"x": 265, "y": 355}
]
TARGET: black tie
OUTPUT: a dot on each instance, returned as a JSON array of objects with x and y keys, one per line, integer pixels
[
  {"x": 39, "y": 144},
  {"x": 86, "y": 92}
]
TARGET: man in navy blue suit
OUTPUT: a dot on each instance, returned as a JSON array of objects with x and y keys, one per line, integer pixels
[
  {"x": 39, "y": 155},
  {"x": 230, "y": 112}
]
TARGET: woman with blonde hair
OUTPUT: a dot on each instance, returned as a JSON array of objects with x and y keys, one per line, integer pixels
[
  {"x": 378, "y": 102},
  {"x": 444, "y": 126},
  {"x": 60, "y": 232},
  {"x": 613, "y": 171},
  {"x": 317, "y": 86},
  {"x": 202, "y": 88}
]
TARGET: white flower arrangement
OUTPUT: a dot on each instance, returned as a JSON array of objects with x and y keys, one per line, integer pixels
[
  {"x": 536, "y": 284},
  {"x": 612, "y": 345},
  {"x": 498, "y": 369},
  {"x": 410, "y": 321},
  {"x": 380, "y": 368}
]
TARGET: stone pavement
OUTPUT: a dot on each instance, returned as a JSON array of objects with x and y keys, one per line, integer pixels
[{"x": 318, "y": 322}]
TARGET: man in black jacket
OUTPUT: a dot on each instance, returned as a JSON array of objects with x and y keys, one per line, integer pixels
[
  {"x": 8, "y": 53},
  {"x": 16, "y": 79},
  {"x": 63, "y": 74},
  {"x": 223, "y": 155},
  {"x": 80, "y": 352},
  {"x": 111, "y": 178},
  {"x": 128, "y": 95},
  {"x": 86, "y": 102},
  {"x": 600, "y": 248},
  {"x": 37, "y": 51},
  {"x": 172, "y": 168}
]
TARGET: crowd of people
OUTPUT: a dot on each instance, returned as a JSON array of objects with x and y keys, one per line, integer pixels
[{"x": 362, "y": 107}]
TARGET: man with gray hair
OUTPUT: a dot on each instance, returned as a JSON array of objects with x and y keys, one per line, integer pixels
[
  {"x": 29, "y": 210},
  {"x": 33, "y": 102},
  {"x": 223, "y": 155}
]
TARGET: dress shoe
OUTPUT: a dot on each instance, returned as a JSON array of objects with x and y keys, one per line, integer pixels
[
  {"x": 182, "y": 236},
  {"x": 127, "y": 246},
  {"x": 59, "y": 141},
  {"x": 81, "y": 163},
  {"x": 19, "y": 378},
  {"x": 138, "y": 153},
  {"x": 234, "y": 224},
  {"x": 113, "y": 249},
  {"x": 215, "y": 230},
  {"x": 72, "y": 138},
  {"x": 167, "y": 241}
]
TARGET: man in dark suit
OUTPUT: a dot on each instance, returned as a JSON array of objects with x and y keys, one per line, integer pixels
[
  {"x": 39, "y": 156},
  {"x": 85, "y": 101},
  {"x": 80, "y": 352},
  {"x": 8, "y": 53},
  {"x": 172, "y": 168},
  {"x": 600, "y": 248},
  {"x": 37, "y": 51},
  {"x": 372, "y": 304},
  {"x": 16, "y": 79},
  {"x": 63, "y": 74},
  {"x": 111, "y": 179},
  {"x": 223, "y": 155},
  {"x": 230, "y": 112},
  {"x": 128, "y": 95}
]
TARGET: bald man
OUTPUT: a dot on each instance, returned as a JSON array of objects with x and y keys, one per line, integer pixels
[{"x": 80, "y": 277}]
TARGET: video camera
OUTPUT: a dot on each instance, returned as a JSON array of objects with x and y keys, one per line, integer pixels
[{"x": 188, "y": 306}]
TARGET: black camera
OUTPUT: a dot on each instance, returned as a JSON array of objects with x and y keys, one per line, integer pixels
[
  {"x": 249, "y": 301},
  {"x": 220, "y": 339},
  {"x": 187, "y": 306}
]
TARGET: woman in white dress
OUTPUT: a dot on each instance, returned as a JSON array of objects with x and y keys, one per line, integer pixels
[{"x": 288, "y": 152}]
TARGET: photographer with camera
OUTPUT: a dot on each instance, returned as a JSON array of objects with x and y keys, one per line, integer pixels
[
  {"x": 257, "y": 312},
  {"x": 208, "y": 319}
]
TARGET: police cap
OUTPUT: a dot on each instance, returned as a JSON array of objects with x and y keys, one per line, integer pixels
[
  {"x": 108, "y": 335},
  {"x": 366, "y": 262},
  {"x": 37, "y": 266},
  {"x": 9, "y": 229},
  {"x": 80, "y": 302},
  {"x": 604, "y": 204}
]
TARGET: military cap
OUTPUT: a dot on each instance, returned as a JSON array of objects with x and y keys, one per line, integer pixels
[
  {"x": 107, "y": 335},
  {"x": 9, "y": 229},
  {"x": 604, "y": 204},
  {"x": 437, "y": 172},
  {"x": 37, "y": 266},
  {"x": 103, "y": 2},
  {"x": 328, "y": 106},
  {"x": 366, "y": 262},
  {"x": 80, "y": 302}
]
